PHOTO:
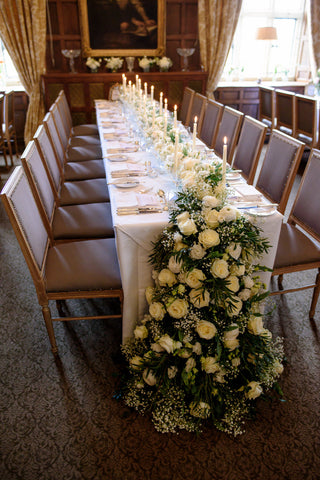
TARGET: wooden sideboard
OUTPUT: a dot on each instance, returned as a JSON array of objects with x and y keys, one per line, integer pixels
[
  {"x": 83, "y": 88},
  {"x": 244, "y": 96}
]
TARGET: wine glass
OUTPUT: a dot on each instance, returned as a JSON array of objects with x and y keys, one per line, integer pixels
[
  {"x": 71, "y": 54},
  {"x": 185, "y": 53}
]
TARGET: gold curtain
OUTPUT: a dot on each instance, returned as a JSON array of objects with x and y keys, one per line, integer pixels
[
  {"x": 217, "y": 23},
  {"x": 314, "y": 16},
  {"x": 23, "y": 31}
]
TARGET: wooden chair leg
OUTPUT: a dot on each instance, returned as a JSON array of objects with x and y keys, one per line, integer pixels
[
  {"x": 48, "y": 321},
  {"x": 280, "y": 279},
  {"x": 315, "y": 296},
  {"x": 10, "y": 151}
]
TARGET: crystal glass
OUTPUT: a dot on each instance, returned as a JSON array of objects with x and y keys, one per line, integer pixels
[
  {"x": 130, "y": 63},
  {"x": 71, "y": 54},
  {"x": 185, "y": 53}
]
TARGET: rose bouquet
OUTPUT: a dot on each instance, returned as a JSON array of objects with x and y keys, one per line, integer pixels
[
  {"x": 114, "y": 63},
  {"x": 202, "y": 354},
  {"x": 93, "y": 63},
  {"x": 164, "y": 63},
  {"x": 145, "y": 63}
]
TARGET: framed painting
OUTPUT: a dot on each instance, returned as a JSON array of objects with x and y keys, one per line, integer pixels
[{"x": 122, "y": 27}]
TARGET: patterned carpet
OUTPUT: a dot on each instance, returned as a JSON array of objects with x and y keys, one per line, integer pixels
[{"x": 59, "y": 420}]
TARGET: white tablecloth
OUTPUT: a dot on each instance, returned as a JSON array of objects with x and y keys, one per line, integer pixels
[{"x": 135, "y": 233}]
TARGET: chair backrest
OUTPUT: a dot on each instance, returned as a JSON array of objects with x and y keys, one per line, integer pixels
[
  {"x": 306, "y": 114},
  {"x": 285, "y": 111},
  {"x": 64, "y": 136},
  {"x": 249, "y": 147},
  {"x": 184, "y": 110},
  {"x": 267, "y": 106},
  {"x": 49, "y": 159},
  {"x": 41, "y": 188},
  {"x": 229, "y": 127},
  {"x": 2, "y": 101},
  {"x": 27, "y": 224},
  {"x": 63, "y": 102},
  {"x": 198, "y": 108},
  {"x": 279, "y": 168},
  {"x": 62, "y": 112},
  {"x": 55, "y": 140},
  {"x": 306, "y": 206},
  {"x": 211, "y": 121}
]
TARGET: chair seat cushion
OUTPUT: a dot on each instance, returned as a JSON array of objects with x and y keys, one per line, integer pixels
[
  {"x": 92, "y": 220},
  {"x": 84, "y": 191},
  {"x": 80, "y": 154},
  {"x": 84, "y": 170},
  {"x": 295, "y": 248},
  {"x": 84, "y": 140},
  {"x": 84, "y": 265},
  {"x": 85, "y": 129}
]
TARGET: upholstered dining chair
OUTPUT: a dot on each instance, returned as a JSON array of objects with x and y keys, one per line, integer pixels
[
  {"x": 249, "y": 147},
  {"x": 197, "y": 109},
  {"x": 64, "y": 223},
  {"x": 285, "y": 111},
  {"x": 9, "y": 130},
  {"x": 3, "y": 143},
  {"x": 279, "y": 168},
  {"x": 211, "y": 121},
  {"x": 84, "y": 269},
  {"x": 229, "y": 127},
  {"x": 299, "y": 242},
  {"x": 185, "y": 108},
  {"x": 94, "y": 190},
  {"x": 71, "y": 170},
  {"x": 78, "y": 130},
  {"x": 267, "y": 106},
  {"x": 306, "y": 116}
]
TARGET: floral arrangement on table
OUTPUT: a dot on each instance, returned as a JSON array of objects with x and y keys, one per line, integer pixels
[
  {"x": 164, "y": 63},
  {"x": 316, "y": 82},
  {"x": 93, "y": 63},
  {"x": 145, "y": 63},
  {"x": 113, "y": 63},
  {"x": 201, "y": 354}
]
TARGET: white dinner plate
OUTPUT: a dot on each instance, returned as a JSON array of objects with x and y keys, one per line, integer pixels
[
  {"x": 233, "y": 176},
  {"x": 261, "y": 211},
  {"x": 126, "y": 183},
  {"x": 117, "y": 158}
]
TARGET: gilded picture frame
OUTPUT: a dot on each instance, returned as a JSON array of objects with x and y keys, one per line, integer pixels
[{"x": 122, "y": 27}]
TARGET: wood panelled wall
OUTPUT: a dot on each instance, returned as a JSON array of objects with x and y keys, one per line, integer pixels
[{"x": 63, "y": 31}]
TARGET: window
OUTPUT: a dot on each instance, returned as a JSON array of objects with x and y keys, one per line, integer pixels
[
  {"x": 8, "y": 74},
  {"x": 250, "y": 58}
]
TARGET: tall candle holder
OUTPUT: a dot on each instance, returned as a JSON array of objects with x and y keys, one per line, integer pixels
[
  {"x": 71, "y": 54},
  {"x": 185, "y": 53}
]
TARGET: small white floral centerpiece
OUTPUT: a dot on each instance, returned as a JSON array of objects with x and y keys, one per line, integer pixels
[
  {"x": 201, "y": 355},
  {"x": 114, "y": 63},
  {"x": 164, "y": 64},
  {"x": 93, "y": 64},
  {"x": 145, "y": 63}
]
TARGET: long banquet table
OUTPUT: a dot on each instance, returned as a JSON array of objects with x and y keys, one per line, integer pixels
[{"x": 135, "y": 232}]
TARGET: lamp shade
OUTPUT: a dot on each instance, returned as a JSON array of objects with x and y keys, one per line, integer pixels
[{"x": 267, "y": 33}]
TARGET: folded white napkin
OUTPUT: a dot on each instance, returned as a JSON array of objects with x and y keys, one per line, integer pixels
[
  {"x": 131, "y": 200},
  {"x": 246, "y": 193}
]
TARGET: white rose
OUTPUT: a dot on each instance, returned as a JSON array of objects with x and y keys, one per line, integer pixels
[
  {"x": 167, "y": 343},
  {"x": 189, "y": 163},
  {"x": 234, "y": 250},
  {"x": 197, "y": 251},
  {"x": 157, "y": 310},
  {"x": 188, "y": 227},
  {"x": 238, "y": 270},
  {"x": 166, "y": 277},
  {"x": 199, "y": 298},
  {"x": 278, "y": 367},
  {"x": 136, "y": 362},
  {"x": 210, "y": 201},
  {"x": 174, "y": 265},
  {"x": 149, "y": 378},
  {"x": 157, "y": 348},
  {"x": 177, "y": 237},
  {"x": 141, "y": 332},
  {"x": 191, "y": 363},
  {"x": 172, "y": 371},
  {"x": 255, "y": 325},
  {"x": 235, "y": 362},
  {"x": 254, "y": 391},
  {"x": 232, "y": 333},
  {"x": 231, "y": 344},
  {"x": 245, "y": 294},
  {"x": 220, "y": 376},
  {"x": 233, "y": 283},
  {"x": 182, "y": 218},
  {"x": 234, "y": 306},
  {"x": 195, "y": 278},
  {"x": 210, "y": 364},
  {"x": 228, "y": 214},
  {"x": 220, "y": 268},
  {"x": 189, "y": 178},
  {"x": 149, "y": 294},
  {"x": 206, "y": 330},
  {"x": 197, "y": 348},
  {"x": 211, "y": 218},
  {"x": 178, "y": 308},
  {"x": 209, "y": 238},
  {"x": 248, "y": 282}
]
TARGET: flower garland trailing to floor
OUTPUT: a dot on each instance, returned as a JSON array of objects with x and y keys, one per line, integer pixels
[{"x": 202, "y": 354}]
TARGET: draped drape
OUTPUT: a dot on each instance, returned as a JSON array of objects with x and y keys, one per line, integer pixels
[
  {"x": 217, "y": 23},
  {"x": 23, "y": 31},
  {"x": 314, "y": 16}
]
